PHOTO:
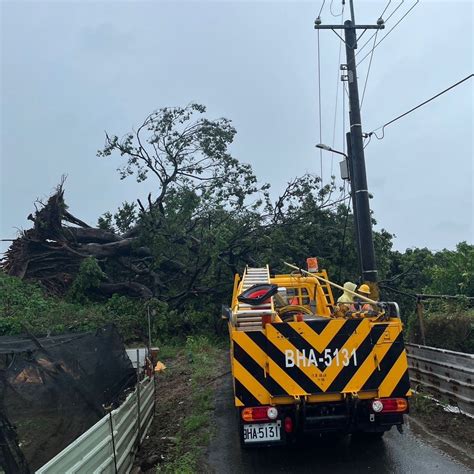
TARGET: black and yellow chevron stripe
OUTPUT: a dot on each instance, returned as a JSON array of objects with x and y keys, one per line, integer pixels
[{"x": 325, "y": 357}]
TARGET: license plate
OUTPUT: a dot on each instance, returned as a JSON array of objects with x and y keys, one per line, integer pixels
[{"x": 262, "y": 432}]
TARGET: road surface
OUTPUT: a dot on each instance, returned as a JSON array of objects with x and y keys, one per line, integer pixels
[{"x": 411, "y": 452}]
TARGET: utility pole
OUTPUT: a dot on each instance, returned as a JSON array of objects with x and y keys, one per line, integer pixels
[
  {"x": 354, "y": 202},
  {"x": 359, "y": 191}
]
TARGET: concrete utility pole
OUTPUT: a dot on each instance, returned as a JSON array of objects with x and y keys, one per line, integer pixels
[{"x": 358, "y": 177}]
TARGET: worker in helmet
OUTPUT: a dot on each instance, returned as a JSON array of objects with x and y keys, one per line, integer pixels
[
  {"x": 345, "y": 301},
  {"x": 360, "y": 304},
  {"x": 347, "y": 297}
]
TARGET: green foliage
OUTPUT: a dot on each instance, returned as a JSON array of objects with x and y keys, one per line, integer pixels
[
  {"x": 453, "y": 271},
  {"x": 89, "y": 276},
  {"x": 421, "y": 271},
  {"x": 449, "y": 327},
  {"x": 181, "y": 149},
  {"x": 23, "y": 303},
  {"x": 125, "y": 216},
  {"x": 122, "y": 221},
  {"x": 422, "y": 404},
  {"x": 105, "y": 222}
]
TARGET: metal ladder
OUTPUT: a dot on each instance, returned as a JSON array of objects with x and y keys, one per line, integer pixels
[
  {"x": 327, "y": 290},
  {"x": 249, "y": 317}
]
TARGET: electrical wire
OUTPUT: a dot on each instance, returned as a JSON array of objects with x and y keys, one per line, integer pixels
[
  {"x": 322, "y": 6},
  {"x": 395, "y": 10},
  {"x": 337, "y": 95},
  {"x": 368, "y": 70},
  {"x": 369, "y": 138},
  {"x": 382, "y": 127},
  {"x": 319, "y": 107},
  {"x": 391, "y": 29},
  {"x": 337, "y": 14},
  {"x": 385, "y": 9},
  {"x": 399, "y": 292},
  {"x": 390, "y": 16}
]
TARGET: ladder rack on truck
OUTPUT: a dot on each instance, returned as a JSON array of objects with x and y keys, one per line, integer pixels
[{"x": 249, "y": 317}]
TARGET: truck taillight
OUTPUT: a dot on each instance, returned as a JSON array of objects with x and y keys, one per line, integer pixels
[
  {"x": 259, "y": 413},
  {"x": 390, "y": 405},
  {"x": 288, "y": 424}
]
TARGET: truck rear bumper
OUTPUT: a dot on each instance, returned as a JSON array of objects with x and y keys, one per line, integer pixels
[
  {"x": 351, "y": 417},
  {"x": 345, "y": 418}
]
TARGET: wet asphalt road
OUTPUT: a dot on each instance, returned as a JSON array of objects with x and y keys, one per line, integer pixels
[{"x": 411, "y": 452}]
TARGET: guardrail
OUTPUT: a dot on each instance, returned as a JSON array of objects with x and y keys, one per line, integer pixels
[
  {"x": 110, "y": 445},
  {"x": 443, "y": 373}
]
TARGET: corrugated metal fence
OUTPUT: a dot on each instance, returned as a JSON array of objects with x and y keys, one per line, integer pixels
[
  {"x": 110, "y": 445},
  {"x": 446, "y": 374}
]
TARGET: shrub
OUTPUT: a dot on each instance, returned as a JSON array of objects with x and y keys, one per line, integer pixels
[
  {"x": 25, "y": 304},
  {"x": 89, "y": 276},
  {"x": 446, "y": 330}
]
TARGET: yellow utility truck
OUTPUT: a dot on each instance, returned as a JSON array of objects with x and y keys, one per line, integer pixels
[{"x": 300, "y": 364}]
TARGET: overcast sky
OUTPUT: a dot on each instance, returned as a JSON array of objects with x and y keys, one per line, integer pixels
[{"x": 70, "y": 70}]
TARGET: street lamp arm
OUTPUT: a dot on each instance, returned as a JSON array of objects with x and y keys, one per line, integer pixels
[{"x": 328, "y": 148}]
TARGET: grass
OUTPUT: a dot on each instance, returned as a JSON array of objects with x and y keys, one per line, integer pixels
[
  {"x": 202, "y": 360},
  {"x": 422, "y": 404}
]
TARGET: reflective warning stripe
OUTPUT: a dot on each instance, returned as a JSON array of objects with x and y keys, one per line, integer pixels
[
  {"x": 326, "y": 357},
  {"x": 275, "y": 348},
  {"x": 370, "y": 364},
  {"x": 403, "y": 387},
  {"x": 391, "y": 379},
  {"x": 238, "y": 402},
  {"x": 257, "y": 372},
  {"x": 247, "y": 380},
  {"x": 385, "y": 364},
  {"x": 285, "y": 385},
  {"x": 362, "y": 354}
]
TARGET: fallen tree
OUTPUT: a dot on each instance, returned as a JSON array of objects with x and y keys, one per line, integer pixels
[
  {"x": 205, "y": 219},
  {"x": 51, "y": 253}
]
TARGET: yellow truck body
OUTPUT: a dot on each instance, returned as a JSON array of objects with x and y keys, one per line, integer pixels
[{"x": 316, "y": 360}]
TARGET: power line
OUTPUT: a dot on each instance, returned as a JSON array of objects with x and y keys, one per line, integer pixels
[
  {"x": 368, "y": 141},
  {"x": 385, "y": 9},
  {"x": 393, "y": 27},
  {"x": 390, "y": 16},
  {"x": 395, "y": 10},
  {"x": 322, "y": 6},
  {"x": 337, "y": 14},
  {"x": 337, "y": 94},
  {"x": 382, "y": 127},
  {"x": 368, "y": 70},
  {"x": 319, "y": 106},
  {"x": 399, "y": 292}
]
